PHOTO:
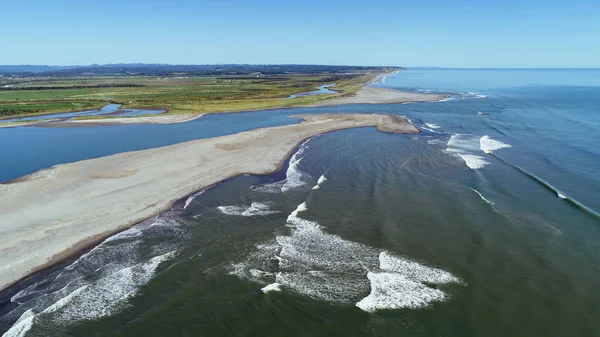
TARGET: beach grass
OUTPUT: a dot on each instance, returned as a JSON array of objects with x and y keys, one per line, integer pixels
[{"x": 176, "y": 95}]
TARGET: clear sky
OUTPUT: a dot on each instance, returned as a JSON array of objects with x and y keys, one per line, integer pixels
[{"x": 446, "y": 33}]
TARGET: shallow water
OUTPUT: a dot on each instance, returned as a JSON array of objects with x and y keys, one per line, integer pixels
[
  {"x": 457, "y": 231},
  {"x": 324, "y": 89}
]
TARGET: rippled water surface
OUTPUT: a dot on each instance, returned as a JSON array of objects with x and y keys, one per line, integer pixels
[{"x": 485, "y": 224}]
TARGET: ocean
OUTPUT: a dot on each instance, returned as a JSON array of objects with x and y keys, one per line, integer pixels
[{"x": 485, "y": 224}]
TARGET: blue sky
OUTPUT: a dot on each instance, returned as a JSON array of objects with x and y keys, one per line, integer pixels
[{"x": 510, "y": 33}]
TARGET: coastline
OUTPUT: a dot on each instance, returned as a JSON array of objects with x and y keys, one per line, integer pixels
[
  {"x": 369, "y": 95},
  {"x": 365, "y": 95},
  {"x": 137, "y": 185}
]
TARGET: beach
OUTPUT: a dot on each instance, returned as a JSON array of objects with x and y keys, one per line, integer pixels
[
  {"x": 70, "y": 206},
  {"x": 158, "y": 119},
  {"x": 370, "y": 95}
]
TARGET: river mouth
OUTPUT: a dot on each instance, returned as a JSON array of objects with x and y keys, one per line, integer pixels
[
  {"x": 286, "y": 253},
  {"x": 322, "y": 90}
]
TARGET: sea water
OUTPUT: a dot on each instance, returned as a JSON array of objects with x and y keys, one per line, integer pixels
[{"x": 484, "y": 224}]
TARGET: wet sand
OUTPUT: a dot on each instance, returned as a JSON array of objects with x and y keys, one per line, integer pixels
[
  {"x": 157, "y": 119},
  {"x": 53, "y": 213}
]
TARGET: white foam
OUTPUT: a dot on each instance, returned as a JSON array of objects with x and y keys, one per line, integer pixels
[
  {"x": 321, "y": 180},
  {"x": 294, "y": 215},
  {"x": 482, "y": 197},
  {"x": 65, "y": 300},
  {"x": 323, "y": 266},
  {"x": 255, "y": 209},
  {"x": 294, "y": 177},
  {"x": 460, "y": 143},
  {"x": 82, "y": 299},
  {"x": 394, "y": 291},
  {"x": 474, "y": 162},
  {"x": 413, "y": 270},
  {"x": 467, "y": 147},
  {"x": 560, "y": 195},
  {"x": 105, "y": 296},
  {"x": 433, "y": 126},
  {"x": 488, "y": 144},
  {"x": 191, "y": 198},
  {"x": 293, "y": 174},
  {"x": 22, "y": 325},
  {"x": 475, "y": 95},
  {"x": 128, "y": 234},
  {"x": 271, "y": 287}
]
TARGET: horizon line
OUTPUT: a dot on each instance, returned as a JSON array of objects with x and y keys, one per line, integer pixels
[{"x": 267, "y": 64}]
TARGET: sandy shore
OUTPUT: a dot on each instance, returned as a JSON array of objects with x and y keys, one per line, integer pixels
[
  {"x": 158, "y": 119},
  {"x": 154, "y": 119},
  {"x": 369, "y": 95},
  {"x": 52, "y": 213}
]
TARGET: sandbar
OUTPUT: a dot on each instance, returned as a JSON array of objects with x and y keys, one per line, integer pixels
[
  {"x": 370, "y": 95},
  {"x": 55, "y": 212},
  {"x": 156, "y": 119}
]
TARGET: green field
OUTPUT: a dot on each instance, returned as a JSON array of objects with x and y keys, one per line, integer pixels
[{"x": 194, "y": 94}]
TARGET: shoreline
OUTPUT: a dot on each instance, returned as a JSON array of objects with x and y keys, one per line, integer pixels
[
  {"x": 113, "y": 121},
  {"x": 369, "y": 95},
  {"x": 137, "y": 185},
  {"x": 365, "y": 95},
  {"x": 73, "y": 253}
]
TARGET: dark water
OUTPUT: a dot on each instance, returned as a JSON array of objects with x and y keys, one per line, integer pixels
[{"x": 406, "y": 235}]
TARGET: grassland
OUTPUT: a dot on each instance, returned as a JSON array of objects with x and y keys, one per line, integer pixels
[{"x": 176, "y": 94}]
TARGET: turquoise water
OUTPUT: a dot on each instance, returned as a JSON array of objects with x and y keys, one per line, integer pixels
[{"x": 485, "y": 224}]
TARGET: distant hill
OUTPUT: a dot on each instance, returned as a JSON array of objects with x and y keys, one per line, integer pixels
[
  {"x": 24, "y": 68},
  {"x": 179, "y": 69}
]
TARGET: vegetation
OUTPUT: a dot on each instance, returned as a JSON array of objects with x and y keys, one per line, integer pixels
[{"x": 177, "y": 93}]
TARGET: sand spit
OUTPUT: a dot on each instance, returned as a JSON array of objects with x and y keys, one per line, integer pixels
[
  {"x": 370, "y": 95},
  {"x": 157, "y": 119},
  {"x": 52, "y": 213}
]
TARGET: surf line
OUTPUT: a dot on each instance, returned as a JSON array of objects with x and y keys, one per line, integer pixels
[{"x": 550, "y": 188}]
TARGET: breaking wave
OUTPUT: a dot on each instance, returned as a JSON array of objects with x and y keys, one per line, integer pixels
[
  {"x": 321, "y": 180},
  {"x": 294, "y": 178},
  {"x": 255, "y": 209},
  {"x": 323, "y": 266},
  {"x": 482, "y": 197},
  {"x": 470, "y": 147},
  {"x": 467, "y": 148},
  {"x": 488, "y": 144},
  {"x": 97, "y": 284},
  {"x": 191, "y": 198},
  {"x": 551, "y": 188}
]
